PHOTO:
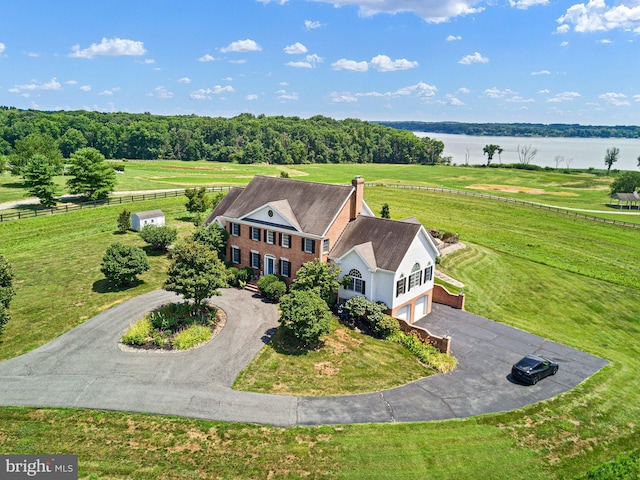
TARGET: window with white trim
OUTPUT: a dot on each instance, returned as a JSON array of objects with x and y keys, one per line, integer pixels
[
  {"x": 235, "y": 254},
  {"x": 285, "y": 267},
  {"x": 270, "y": 236},
  {"x": 401, "y": 286},
  {"x": 308, "y": 245},
  {"x": 285, "y": 240},
  {"x": 415, "y": 279},
  {"x": 255, "y": 259},
  {"x": 325, "y": 245},
  {"x": 255, "y": 234},
  {"x": 428, "y": 273},
  {"x": 356, "y": 283},
  {"x": 235, "y": 229}
]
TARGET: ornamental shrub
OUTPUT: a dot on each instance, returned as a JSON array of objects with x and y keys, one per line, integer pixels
[
  {"x": 369, "y": 315},
  {"x": 138, "y": 333},
  {"x": 122, "y": 263},
  {"x": 192, "y": 336},
  {"x": 124, "y": 221},
  {"x": 159, "y": 237},
  {"x": 305, "y": 315},
  {"x": 272, "y": 287}
]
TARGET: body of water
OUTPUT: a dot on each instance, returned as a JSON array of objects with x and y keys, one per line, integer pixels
[{"x": 580, "y": 152}]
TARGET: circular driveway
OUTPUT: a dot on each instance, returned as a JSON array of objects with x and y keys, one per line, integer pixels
[{"x": 84, "y": 368}]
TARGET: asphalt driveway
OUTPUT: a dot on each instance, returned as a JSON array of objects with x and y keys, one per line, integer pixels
[{"x": 85, "y": 368}]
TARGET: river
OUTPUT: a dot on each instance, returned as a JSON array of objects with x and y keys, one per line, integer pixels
[{"x": 581, "y": 152}]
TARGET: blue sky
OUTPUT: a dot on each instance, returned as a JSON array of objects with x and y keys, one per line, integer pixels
[{"x": 462, "y": 60}]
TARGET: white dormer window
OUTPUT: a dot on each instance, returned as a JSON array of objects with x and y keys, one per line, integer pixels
[{"x": 415, "y": 279}]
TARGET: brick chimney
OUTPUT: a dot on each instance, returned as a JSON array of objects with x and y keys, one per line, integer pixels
[{"x": 357, "y": 196}]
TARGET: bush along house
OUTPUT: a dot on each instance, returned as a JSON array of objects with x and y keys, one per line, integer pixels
[{"x": 277, "y": 224}]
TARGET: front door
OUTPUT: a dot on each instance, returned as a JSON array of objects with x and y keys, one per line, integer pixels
[{"x": 269, "y": 264}]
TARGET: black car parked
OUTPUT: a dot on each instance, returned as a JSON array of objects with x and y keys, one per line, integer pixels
[{"x": 533, "y": 368}]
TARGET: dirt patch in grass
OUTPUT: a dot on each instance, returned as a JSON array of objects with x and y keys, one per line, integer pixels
[{"x": 517, "y": 189}]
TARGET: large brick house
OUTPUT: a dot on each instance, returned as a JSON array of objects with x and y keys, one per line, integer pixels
[{"x": 277, "y": 224}]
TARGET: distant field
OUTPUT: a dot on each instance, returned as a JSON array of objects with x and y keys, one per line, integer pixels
[{"x": 577, "y": 190}]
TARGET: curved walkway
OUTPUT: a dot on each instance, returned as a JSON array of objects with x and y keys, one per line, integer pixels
[{"x": 84, "y": 368}]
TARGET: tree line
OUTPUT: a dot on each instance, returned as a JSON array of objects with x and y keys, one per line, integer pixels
[
  {"x": 245, "y": 138},
  {"x": 520, "y": 129}
]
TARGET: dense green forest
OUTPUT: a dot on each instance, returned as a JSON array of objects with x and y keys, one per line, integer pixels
[
  {"x": 519, "y": 129},
  {"x": 242, "y": 139}
]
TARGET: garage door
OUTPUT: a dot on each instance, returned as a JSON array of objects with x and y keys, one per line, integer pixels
[
  {"x": 421, "y": 308},
  {"x": 405, "y": 313}
]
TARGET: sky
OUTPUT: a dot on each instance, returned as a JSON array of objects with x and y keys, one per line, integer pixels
[{"x": 532, "y": 61}]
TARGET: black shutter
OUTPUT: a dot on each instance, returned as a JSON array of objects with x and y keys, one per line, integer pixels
[
  {"x": 313, "y": 246},
  {"x": 239, "y": 229},
  {"x": 303, "y": 244},
  {"x": 265, "y": 236},
  {"x": 239, "y": 256},
  {"x": 280, "y": 239},
  {"x": 363, "y": 287}
]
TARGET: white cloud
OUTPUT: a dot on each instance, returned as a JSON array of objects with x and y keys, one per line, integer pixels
[
  {"x": 283, "y": 84},
  {"x": 354, "y": 66},
  {"x": 251, "y": 97},
  {"x": 247, "y": 45},
  {"x": 71, "y": 82},
  {"x": 238, "y": 62},
  {"x": 279, "y": 2},
  {"x": 311, "y": 25},
  {"x": 564, "y": 28},
  {"x": 382, "y": 63},
  {"x": 110, "y": 91},
  {"x": 519, "y": 99},
  {"x": 544, "y": 91},
  {"x": 343, "y": 98},
  {"x": 284, "y": 95},
  {"x": 564, "y": 44},
  {"x": 205, "y": 93},
  {"x": 541, "y": 72},
  {"x": 463, "y": 90},
  {"x": 451, "y": 101},
  {"x": 149, "y": 61},
  {"x": 309, "y": 62},
  {"x": 614, "y": 99},
  {"x": 564, "y": 97},
  {"x": 475, "y": 58},
  {"x": 160, "y": 92},
  {"x": 85, "y": 88},
  {"x": 3, "y": 47},
  {"x": 111, "y": 47},
  {"x": 453, "y": 38},
  {"x": 596, "y": 15},
  {"x": 295, "y": 49},
  {"x": 636, "y": 98},
  {"x": 421, "y": 89},
  {"x": 206, "y": 58},
  {"x": 605, "y": 41},
  {"x": 52, "y": 84},
  {"x": 524, "y": 4},
  {"x": 496, "y": 93},
  {"x": 30, "y": 54},
  {"x": 433, "y": 12},
  {"x": 184, "y": 80}
]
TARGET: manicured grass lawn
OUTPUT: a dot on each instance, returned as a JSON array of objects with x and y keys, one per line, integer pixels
[
  {"x": 569, "y": 280},
  {"x": 349, "y": 362}
]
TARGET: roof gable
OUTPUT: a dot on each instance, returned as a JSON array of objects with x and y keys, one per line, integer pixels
[
  {"x": 312, "y": 205},
  {"x": 381, "y": 241},
  {"x": 277, "y": 213}
]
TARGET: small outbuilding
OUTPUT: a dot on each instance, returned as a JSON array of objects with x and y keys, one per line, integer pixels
[{"x": 142, "y": 219}]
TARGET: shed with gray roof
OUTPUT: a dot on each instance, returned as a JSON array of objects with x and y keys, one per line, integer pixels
[{"x": 151, "y": 217}]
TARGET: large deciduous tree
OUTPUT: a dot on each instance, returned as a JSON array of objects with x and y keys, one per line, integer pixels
[
  {"x": 159, "y": 237},
  {"x": 214, "y": 236},
  {"x": 490, "y": 150},
  {"x": 122, "y": 263},
  {"x": 35, "y": 143},
  {"x": 6, "y": 290},
  {"x": 195, "y": 272},
  {"x": 38, "y": 174},
  {"x": 92, "y": 176},
  {"x": 320, "y": 276},
  {"x": 626, "y": 183},
  {"x": 611, "y": 157},
  {"x": 526, "y": 154},
  {"x": 305, "y": 315}
]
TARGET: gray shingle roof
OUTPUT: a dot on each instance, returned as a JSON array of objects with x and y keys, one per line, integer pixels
[
  {"x": 149, "y": 214},
  {"x": 389, "y": 239},
  {"x": 224, "y": 204},
  {"x": 313, "y": 205},
  {"x": 626, "y": 197}
]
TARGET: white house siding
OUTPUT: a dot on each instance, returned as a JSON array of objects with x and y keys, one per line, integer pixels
[
  {"x": 348, "y": 262},
  {"x": 262, "y": 215},
  {"x": 420, "y": 252}
]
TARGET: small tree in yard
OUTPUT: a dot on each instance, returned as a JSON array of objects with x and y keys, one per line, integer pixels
[
  {"x": 124, "y": 221},
  {"x": 305, "y": 315},
  {"x": 121, "y": 263},
  {"x": 38, "y": 175},
  {"x": 626, "y": 183},
  {"x": 321, "y": 276},
  {"x": 272, "y": 287},
  {"x": 195, "y": 272},
  {"x": 197, "y": 200},
  {"x": 159, "y": 237},
  {"x": 384, "y": 213},
  {"x": 6, "y": 291}
]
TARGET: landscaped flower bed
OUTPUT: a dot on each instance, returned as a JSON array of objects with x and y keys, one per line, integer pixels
[{"x": 175, "y": 326}]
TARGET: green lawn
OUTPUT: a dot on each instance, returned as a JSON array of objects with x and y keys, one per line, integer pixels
[{"x": 572, "y": 281}]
